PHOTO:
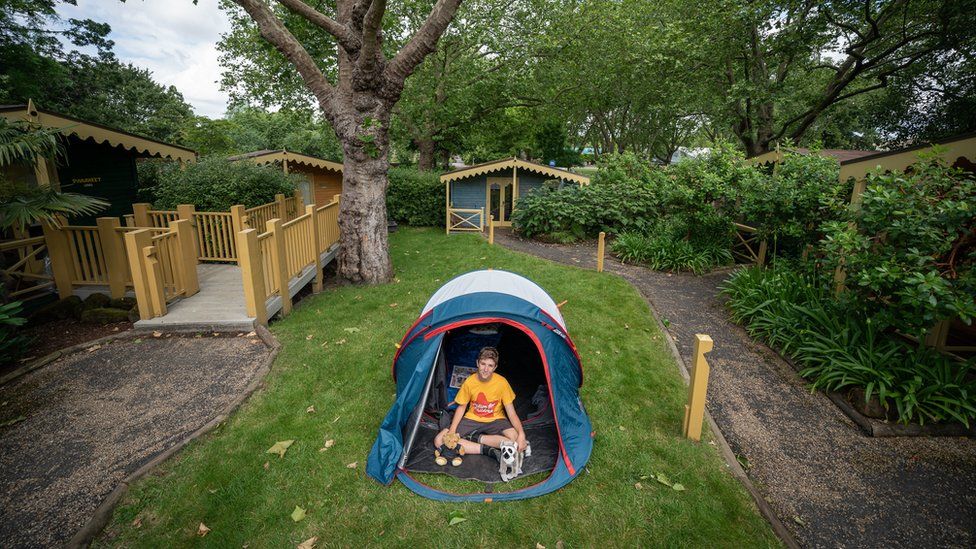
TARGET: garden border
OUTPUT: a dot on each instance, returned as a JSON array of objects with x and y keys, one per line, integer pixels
[
  {"x": 103, "y": 513},
  {"x": 723, "y": 445}
]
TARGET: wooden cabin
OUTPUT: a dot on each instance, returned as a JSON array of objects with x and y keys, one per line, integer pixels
[
  {"x": 323, "y": 178},
  {"x": 493, "y": 189},
  {"x": 100, "y": 162}
]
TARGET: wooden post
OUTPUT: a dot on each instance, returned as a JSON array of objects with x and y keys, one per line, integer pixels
[
  {"x": 130, "y": 220},
  {"x": 60, "y": 253},
  {"x": 697, "y": 387},
  {"x": 237, "y": 215},
  {"x": 188, "y": 254},
  {"x": 154, "y": 280},
  {"x": 447, "y": 209},
  {"x": 936, "y": 336},
  {"x": 113, "y": 249},
  {"x": 299, "y": 200},
  {"x": 282, "y": 208},
  {"x": 600, "y": 245},
  {"x": 279, "y": 263},
  {"x": 491, "y": 230},
  {"x": 140, "y": 212},
  {"x": 316, "y": 245},
  {"x": 188, "y": 212},
  {"x": 761, "y": 258},
  {"x": 252, "y": 273},
  {"x": 135, "y": 242}
]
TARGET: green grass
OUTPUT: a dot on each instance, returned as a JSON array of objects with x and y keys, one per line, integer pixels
[{"x": 632, "y": 391}]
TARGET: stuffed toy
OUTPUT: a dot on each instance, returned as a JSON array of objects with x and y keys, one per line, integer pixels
[{"x": 451, "y": 449}]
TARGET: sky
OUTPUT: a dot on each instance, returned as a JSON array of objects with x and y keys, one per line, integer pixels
[{"x": 174, "y": 39}]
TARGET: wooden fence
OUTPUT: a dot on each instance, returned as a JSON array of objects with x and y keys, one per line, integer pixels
[
  {"x": 748, "y": 247},
  {"x": 463, "y": 219},
  {"x": 163, "y": 266},
  {"x": 270, "y": 260},
  {"x": 25, "y": 278}
]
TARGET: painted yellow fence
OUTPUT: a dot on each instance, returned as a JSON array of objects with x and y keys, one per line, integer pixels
[
  {"x": 747, "y": 246},
  {"x": 465, "y": 219},
  {"x": 215, "y": 235},
  {"x": 163, "y": 266},
  {"x": 270, "y": 260}
]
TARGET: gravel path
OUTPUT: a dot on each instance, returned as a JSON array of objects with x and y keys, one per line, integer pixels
[
  {"x": 94, "y": 417},
  {"x": 827, "y": 482}
]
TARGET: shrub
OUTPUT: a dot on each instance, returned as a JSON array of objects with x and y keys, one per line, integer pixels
[
  {"x": 12, "y": 344},
  {"x": 909, "y": 251},
  {"x": 669, "y": 248},
  {"x": 838, "y": 347},
  {"x": 214, "y": 184},
  {"x": 415, "y": 197}
]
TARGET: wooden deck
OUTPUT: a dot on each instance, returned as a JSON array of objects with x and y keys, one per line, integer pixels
[{"x": 219, "y": 305}]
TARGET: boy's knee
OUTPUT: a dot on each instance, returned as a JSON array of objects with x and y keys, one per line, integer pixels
[{"x": 439, "y": 439}]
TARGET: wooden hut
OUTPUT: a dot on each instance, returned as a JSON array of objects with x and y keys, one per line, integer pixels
[
  {"x": 101, "y": 161},
  {"x": 323, "y": 177},
  {"x": 493, "y": 188}
]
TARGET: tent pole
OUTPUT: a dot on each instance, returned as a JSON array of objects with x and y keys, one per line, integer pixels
[{"x": 418, "y": 410}]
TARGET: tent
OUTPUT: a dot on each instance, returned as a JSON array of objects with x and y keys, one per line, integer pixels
[{"x": 536, "y": 356}]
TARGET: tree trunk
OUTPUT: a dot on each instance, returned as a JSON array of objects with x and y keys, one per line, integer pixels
[
  {"x": 363, "y": 252},
  {"x": 427, "y": 148}
]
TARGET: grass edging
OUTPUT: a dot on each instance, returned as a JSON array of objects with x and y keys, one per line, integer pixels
[
  {"x": 728, "y": 455},
  {"x": 103, "y": 513}
]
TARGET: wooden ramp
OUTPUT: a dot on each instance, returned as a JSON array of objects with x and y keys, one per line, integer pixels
[{"x": 219, "y": 305}]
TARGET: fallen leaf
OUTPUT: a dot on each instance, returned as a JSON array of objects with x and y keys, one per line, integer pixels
[
  {"x": 309, "y": 543},
  {"x": 309, "y": 337},
  {"x": 137, "y": 523},
  {"x": 280, "y": 447},
  {"x": 539, "y": 546},
  {"x": 639, "y": 486},
  {"x": 203, "y": 530},
  {"x": 336, "y": 419},
  {"x": 663, "y": 480},
  {"x": 341, "y": 342},
  {"x": 351, "y": 330},
  {"x": 456, "y": 518},
  {"x": 115, "y": 329},
  {"x": 330, "y": 443},
  {"x": 559, "y": 544},
  {"x": 94, "y": 348},
  {"x": 13, "y": 421},
  {"x": 298, "y": 514},
  {"x": 352, "y": 465},
  {"x": 267, "y": 464},
  {"x": 157, "y": 334},
  {"x": 799, "y": 521},
  {"x": 621, "y": 427},
  {"x": 213, "y": 491},
  {"x": 310, "y": 410},
  {"x": 626, "y": 326},
  {"x": 678, "y": 487},
  {"x": 251, "y": 334},
  {"x": 137, "y": 340}
]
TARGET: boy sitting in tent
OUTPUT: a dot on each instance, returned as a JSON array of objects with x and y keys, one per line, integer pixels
[{"x": 490, "y": 419}]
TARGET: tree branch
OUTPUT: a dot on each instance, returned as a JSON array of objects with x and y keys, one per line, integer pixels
[
  {"x": 371, "y": 33},
  {"x": 422, "y": 43},
  {"x": 275, "y": 32},
  {"x": 346, "y": 38}
]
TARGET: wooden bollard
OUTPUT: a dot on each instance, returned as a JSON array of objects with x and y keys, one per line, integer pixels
[
  {"x": 697, "y": 387},
  {"x": 491, "y": 230},
  {"x": 599, "y": 252}
]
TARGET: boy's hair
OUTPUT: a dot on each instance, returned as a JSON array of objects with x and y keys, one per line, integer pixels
[{"x": 488, "y": 352}]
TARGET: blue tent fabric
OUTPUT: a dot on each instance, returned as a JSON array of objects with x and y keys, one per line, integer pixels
[{"x": 532, "y": 315}]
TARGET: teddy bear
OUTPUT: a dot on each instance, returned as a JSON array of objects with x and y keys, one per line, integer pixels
[{"x": 450, "y": 449}]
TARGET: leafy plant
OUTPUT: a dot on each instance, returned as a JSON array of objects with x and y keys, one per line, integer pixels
[
  {"x": 415, "y": 197},
  {"x": 12, "y": 344},
  {"x": 838, "y": 347},
  {"x": 214, "y": 184}
]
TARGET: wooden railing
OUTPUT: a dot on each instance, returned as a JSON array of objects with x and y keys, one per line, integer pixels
[
  {"x": 462, "y": 219},
  {"x": 163, "y": 266},
  {"x": 26, "y": 278},
  {"x": 258, "y": 216},
  {"x": 748, "y": 247},
  {"x": 215, "y": 235},
  {"x": 87, "y": 260},
  {"x": 270, "y": 260}
]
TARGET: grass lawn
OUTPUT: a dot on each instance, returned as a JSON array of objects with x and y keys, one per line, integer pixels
[{"x": 337, "y": 352}]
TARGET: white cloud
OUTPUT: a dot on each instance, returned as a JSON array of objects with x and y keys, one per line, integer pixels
[{"x": 174, "y": 39}]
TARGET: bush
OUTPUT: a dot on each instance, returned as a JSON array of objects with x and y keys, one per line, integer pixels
[
  {"x": 909, "y": 251},
  {"x": 839, "y": 348},
  {"x": 12, "y": 344},
  {"x": 669, "y": 248},
  {"x": 416, "y": 198},
  {"x": 213, "y": 184}
]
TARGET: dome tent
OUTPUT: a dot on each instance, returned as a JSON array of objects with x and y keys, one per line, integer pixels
[{"x": 523, "y": 312}]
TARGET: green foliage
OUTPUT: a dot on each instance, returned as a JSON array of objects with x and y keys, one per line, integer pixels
[
  {"x": 247, "y": 129},
  {"x": 838, "y": 347},
  {"x": 789, "y": 206},
  {"x": 12, "y": 344},
  {"x": 665, "y": 252},
  {"x": 416, "y": 198},
  {"x": 909, "y": 251},
  {"x": 214, "y": 184}
]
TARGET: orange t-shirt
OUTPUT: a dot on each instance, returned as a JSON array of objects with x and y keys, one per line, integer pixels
[{"x": 487, "y": 398}]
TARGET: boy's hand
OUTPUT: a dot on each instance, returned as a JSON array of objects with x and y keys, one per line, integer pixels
[{"x": 520, "y": 440}]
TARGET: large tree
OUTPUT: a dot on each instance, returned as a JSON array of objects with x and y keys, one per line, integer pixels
[
  {"x": 778, "y": 66},
  {"x": 358, "y": 103}
]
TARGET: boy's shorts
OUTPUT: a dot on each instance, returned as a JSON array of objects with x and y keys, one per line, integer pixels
[{"x": 471, "y": 429}]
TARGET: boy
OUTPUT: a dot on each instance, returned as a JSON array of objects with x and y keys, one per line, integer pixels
[{"x": 490, "y": 418}]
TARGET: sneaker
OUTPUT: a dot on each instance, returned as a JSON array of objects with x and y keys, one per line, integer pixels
[{"x": 493, "y": 452}]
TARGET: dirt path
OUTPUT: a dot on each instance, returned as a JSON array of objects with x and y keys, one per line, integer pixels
[
  {"x": 831, "y": 485},
  {"x": 94, "y": 417}
]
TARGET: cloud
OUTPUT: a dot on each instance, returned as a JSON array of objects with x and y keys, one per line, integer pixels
[{"x": 174, "y": 39}]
